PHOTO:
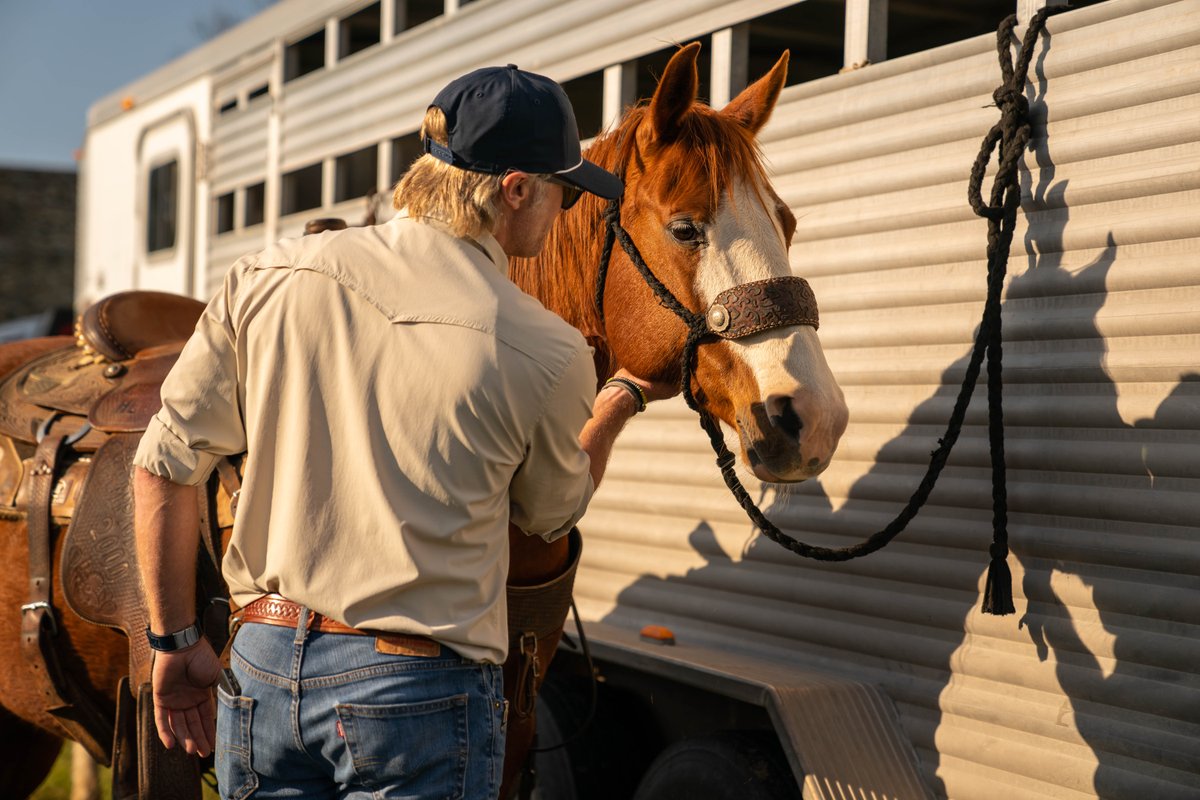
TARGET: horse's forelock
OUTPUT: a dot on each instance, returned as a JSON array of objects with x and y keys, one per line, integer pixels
[{"x": 709, "y": 154}]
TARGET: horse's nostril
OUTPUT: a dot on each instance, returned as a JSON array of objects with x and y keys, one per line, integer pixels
[{"x": 786, "y": 419}]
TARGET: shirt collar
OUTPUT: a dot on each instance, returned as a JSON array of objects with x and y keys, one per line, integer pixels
[{"x": 484, "y": 242}]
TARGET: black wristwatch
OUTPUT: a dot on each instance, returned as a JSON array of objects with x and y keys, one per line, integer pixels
[{"x": 170, "y": 642}]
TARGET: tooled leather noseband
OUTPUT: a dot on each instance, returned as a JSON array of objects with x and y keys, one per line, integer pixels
[{"x": 759, "y": 306}]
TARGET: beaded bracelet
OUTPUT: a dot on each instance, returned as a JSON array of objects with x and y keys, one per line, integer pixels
[{"x": 639, "y": 396}]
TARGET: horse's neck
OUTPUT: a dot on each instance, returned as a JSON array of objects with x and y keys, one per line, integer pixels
[{"x": 563, "y": 276}]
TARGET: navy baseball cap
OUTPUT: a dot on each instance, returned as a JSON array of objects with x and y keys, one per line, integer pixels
[{"x": 502, "y": 118}]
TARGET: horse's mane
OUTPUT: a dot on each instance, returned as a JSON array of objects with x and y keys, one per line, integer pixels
[{"x": 563, "y": 277}]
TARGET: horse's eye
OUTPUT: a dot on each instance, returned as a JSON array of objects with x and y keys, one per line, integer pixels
[{"x": 685, "y": 231}]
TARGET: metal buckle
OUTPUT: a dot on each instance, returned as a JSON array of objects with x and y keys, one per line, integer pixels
[{"x": 42, "y": 604}]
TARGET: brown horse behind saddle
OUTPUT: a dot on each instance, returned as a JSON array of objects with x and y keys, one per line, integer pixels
[
  {"x": 70, "y": 420},
  {"x": 71, "y": 415}
]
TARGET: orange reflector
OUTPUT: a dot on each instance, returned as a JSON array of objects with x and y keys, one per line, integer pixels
[
  {"x": 126, "y": 102},
  {"x": 658, "y": 634}
]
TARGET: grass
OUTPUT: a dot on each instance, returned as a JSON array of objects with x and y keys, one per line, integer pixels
[{"x": 57, "y": 785}]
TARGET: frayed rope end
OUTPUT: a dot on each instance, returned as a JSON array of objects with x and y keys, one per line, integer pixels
[{"x": 997, "y": 589}]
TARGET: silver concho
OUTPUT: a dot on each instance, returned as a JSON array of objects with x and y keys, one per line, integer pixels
[{"x": 718, "y": 317}]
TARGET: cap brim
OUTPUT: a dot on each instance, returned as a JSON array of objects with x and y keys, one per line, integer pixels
[{"x": 591, "y": 178}]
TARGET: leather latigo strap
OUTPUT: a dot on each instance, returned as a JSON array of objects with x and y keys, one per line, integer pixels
[
  {"x": 761, "y": 306},
  {"x": 63, "y": 698},
  {"x": 37, "y": 613}
]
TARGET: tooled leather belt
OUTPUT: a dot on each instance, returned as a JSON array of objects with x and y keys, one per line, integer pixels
[{"x": 274, "y": 609}]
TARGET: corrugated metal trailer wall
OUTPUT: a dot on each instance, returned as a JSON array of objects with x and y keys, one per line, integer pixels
[{"x": 1091, "y": 689}]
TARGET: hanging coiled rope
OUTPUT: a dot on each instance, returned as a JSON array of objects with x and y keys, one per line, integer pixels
[{"x": 1010, "y": 135}]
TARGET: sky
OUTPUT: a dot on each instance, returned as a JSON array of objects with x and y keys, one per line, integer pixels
[{"x": 58, "y": 57}]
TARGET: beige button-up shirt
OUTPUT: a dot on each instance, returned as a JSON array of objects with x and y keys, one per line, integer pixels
[{"x": 400, "y": 400}]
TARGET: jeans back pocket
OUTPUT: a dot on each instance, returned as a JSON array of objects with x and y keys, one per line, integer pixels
[
  {"x": 234, "y": 773},
  {"x": 418, "y": 747}
]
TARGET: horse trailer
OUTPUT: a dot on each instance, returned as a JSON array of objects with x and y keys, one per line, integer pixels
[{"x": 719, "y": 664}]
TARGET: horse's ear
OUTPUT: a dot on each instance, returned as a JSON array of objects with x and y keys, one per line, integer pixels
[
  {"x": 752, "y": 108},
  {"x": 675, "y": 93}
]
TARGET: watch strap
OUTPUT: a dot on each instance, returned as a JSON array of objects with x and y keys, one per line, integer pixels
[{"x": 170, "y": 642}]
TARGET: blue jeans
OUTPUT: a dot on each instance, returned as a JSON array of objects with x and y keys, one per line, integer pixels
[{"x": 323, "y": 715}]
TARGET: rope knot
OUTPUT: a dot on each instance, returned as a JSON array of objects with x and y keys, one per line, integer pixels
[{"x": 1011, "y": 101}]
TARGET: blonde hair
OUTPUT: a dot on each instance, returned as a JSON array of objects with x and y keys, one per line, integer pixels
[{"x": 464, "y": 200}]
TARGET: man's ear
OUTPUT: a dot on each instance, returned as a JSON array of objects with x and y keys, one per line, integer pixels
[{"x": 515, "y": 189}]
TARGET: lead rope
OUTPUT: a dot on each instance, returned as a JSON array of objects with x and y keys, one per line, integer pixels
[{"x": 1011, "y": 134}]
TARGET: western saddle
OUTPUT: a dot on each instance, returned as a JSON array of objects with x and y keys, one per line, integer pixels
[{"x": 71, "y": 416}]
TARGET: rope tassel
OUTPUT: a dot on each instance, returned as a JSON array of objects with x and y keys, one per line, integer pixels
[{"x": 997, "y": 589}]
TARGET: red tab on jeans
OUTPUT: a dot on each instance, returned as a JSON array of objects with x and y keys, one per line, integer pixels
[{"x": 341, "y": 732}]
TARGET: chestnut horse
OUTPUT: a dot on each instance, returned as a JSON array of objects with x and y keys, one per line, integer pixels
[
  {"x": 701, "y": 210},
  {"x": 704, "y": 217}
]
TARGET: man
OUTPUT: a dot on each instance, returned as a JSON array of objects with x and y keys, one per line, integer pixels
[{"x": 399, "y": 401}]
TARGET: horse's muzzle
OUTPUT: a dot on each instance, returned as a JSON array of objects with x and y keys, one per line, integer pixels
[{"x": 789, "y": 439}]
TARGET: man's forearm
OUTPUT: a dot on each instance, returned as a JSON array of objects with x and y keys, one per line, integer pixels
[
  {"x": 167, "y": 525},
  {"x": 612, "y": 409}
]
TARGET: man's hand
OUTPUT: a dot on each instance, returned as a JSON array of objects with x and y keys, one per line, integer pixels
[
  {"x": 654, "y": 391},
  {"x": 183, "y": 701}
]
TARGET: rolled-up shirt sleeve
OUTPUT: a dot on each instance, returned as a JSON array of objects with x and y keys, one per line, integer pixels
[
  {"x": 552, "y": 488},
  {"x": 201, "y": 417}
]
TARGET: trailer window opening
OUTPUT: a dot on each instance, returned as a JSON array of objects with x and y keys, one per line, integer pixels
[
  {"x": 355, "y": 174},
  {"x": 301, "y": 189},
  {"x": 255, "y": 205},
  {"x": 405, "y": 150},
  {"x": 227, "y": 106},
  {"x": 814, "y": 32},
  {"x": 411, "y": 13},
  {"x": 586, "y": 94},
  {"x": 304, "y": 56},
  {"x": 259, "y": 91},
  {"x": 163, "y": 202},
  {"x": 223, "y": 215},
  {"x": 359, "y": 31},
  {"x": 918, "y": 25}
]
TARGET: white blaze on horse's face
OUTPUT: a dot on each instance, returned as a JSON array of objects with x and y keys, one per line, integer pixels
[{"x": 790, "y": 430}]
